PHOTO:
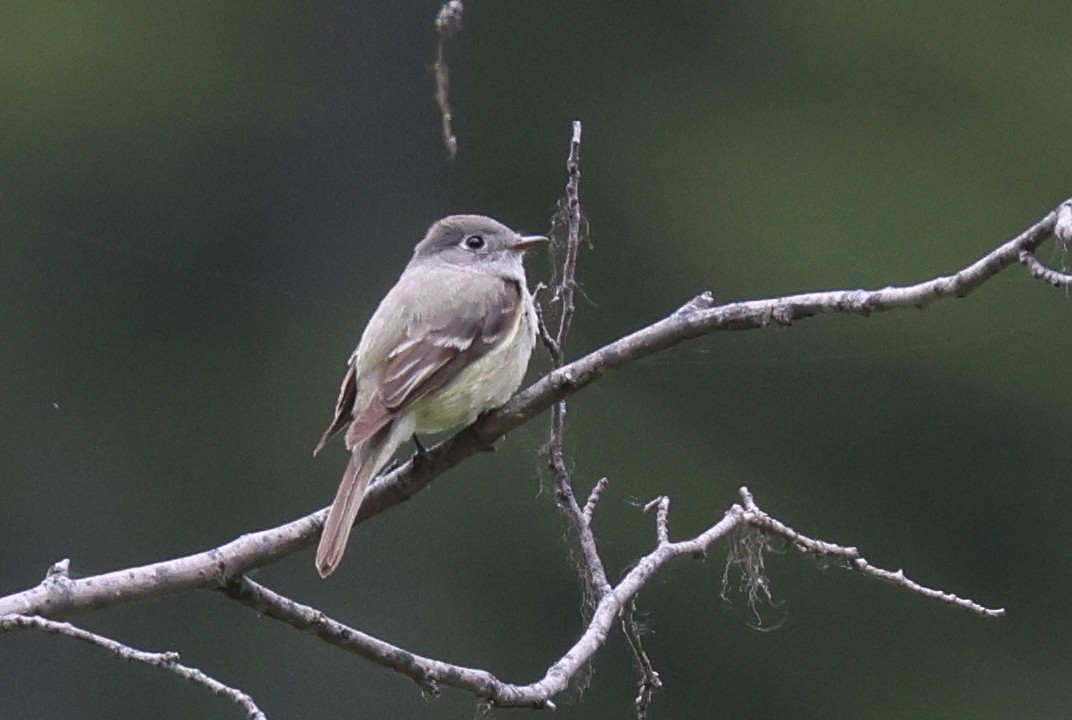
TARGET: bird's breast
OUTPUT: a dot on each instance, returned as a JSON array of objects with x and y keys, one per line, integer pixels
[{"x": 485, "y": 384}]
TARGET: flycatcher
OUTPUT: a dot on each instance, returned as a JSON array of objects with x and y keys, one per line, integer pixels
[{"x": 450, "y": 340}]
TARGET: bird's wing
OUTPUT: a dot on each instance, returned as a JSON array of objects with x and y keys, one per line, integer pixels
[
  {"x": 344, "y": 406},
  {"x": 432, "y": 357},
  {"x": 438, "y": 344}
]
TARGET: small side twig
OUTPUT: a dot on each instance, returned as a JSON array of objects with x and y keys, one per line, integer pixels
[
  {"x": 1043, "y": 273},
  {"x": 593, "y": 573},
  {"x": 571, "y": 213},
  {"x": 593, "y": 499},
  {"x": 761, "y": 520},
  {"x": 165, "y": 661},
  {"x": 545, "y": 336},
  {"x": 649, "y": 682},
  {"x": 661, "y": 505},
  {"x": 448, "y": 21}
]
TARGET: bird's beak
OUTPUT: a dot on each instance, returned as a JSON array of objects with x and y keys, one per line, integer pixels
[{"x": 524, "y": 242}]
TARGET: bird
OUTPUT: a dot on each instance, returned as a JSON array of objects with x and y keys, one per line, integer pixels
[{"x": 451, "y": 340}]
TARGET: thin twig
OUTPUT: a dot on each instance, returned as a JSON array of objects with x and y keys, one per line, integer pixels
[
  {"x": 165, "y": 661},
  {"x": 572, "y": 211},
  {"x": 649, "y": 682},
  {"x": 448, "y": 21},
  {"x": 593, "y": 499},
  {"x": 593, "y": 573},
  {"x": 545, "y": 337},
  {"x": 759, "y": 519}
]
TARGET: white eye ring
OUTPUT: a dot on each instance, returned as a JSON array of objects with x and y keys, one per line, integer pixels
[{"x": 474, "y": 242}]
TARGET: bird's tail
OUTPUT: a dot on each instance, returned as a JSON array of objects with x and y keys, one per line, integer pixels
[{"x": 366, "y": 459}]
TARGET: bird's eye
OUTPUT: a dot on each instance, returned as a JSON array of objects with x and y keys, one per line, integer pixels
[{"x": 474, "y": 242}]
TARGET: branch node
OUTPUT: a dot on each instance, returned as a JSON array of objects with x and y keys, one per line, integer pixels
[
  {"x": 703, "y": 301},
  {"x": 429, "y": 687},
  {"x": 59, "y": 572},
  {"x": 1062, "y": 229},
  {"x": 782, "y": 314},
  {"x": 563, "y": 379}
]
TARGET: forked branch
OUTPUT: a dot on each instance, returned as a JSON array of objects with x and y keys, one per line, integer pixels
[
  {"x": 431, "y": 674},
  {"x": 224, "y": 567},
  {"x": 215, "y": 567}
]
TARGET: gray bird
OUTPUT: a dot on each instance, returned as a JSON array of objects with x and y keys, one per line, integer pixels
[{"x": 450, "y": 340}]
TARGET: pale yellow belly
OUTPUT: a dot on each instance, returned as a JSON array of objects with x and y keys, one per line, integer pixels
[{"x": 487, "y": 383}]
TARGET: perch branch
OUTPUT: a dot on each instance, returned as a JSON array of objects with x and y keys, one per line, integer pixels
[{"x": 215, "y": 567}]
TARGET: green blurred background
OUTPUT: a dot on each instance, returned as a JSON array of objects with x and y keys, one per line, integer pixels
[{"x": 201, "y": 204}]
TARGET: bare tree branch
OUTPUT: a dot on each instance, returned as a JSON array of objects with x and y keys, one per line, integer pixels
[
  {"x": 568, "y": 218},
  {"x": 593, "y": 575},
  {"x": 760, "y": 520},
  {"x": 165, "y": 661},
  {"x": 224, "y": 567},
  {"x": 215, "y": 567},
  {"x": 431, "y": 674}
]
